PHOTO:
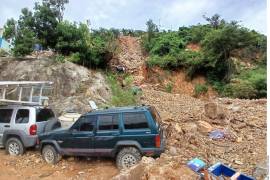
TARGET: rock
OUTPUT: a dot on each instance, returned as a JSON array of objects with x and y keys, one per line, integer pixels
[
  {"x": 172, "y": 151},
  {"x": 178, "y": 128},
  {"x": 189, "y": 128},
  {"x": 214, "y": 111},
  {"x": 261, "y": 171},
  {"x": 70, "y": 159},
  {"x": 235, "y": 108},
  {"x": 210, "y": 110},
  {"x": 204, "y": 127},
  {"x": 238, "y": 162},
  {"x": 37, "y": 161}
]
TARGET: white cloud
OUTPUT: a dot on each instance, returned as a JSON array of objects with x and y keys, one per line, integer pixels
[{"x": 134, "y": 13}]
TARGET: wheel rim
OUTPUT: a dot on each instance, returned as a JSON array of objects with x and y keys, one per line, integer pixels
[
  {"x": 128, "y": 160},
  {"x": 14, "y": 148},
  {"x": 49, "y": 156}
]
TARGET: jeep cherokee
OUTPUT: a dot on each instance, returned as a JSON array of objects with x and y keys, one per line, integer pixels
[{"x": 125, "y": 133}]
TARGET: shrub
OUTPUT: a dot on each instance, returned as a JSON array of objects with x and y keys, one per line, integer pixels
[
  {"x": 169, "y": 87},
  {"x": 200, "y": 89},
  {"x": 74, "y": 57},
  {"x": 59, "y": 58},
  {"x": 120, "y": 96},
  {"x": 242, "y": 90},
  {"x": 3, "y": 53}
]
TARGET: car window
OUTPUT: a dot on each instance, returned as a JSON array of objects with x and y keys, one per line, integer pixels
[
  {"x": 22, "y": 116},
  {"x": 108, "y": 122},
  {"x": 85, "y": 123},
  {"x": 5, "y": 115},
  {"x": 135, "y": 121},
  {"x": 44, "y": 115}
]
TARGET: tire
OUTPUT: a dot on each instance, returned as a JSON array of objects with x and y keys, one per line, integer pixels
[
  {"x": 51, "y": 125},
  {"x": 50, "y": 155},
  {"x": 127, "y": 157},
  {"x": 14, "y": 147}
]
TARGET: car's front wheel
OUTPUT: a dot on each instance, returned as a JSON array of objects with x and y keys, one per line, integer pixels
[
  {"x": 128, "y": 157},
  {"x": 50, "y": 155},
  {"x": 14, "y": 147}
]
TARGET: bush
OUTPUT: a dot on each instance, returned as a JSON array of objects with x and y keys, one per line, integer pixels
[
  {"x": 242, "y": 90},
  {"x": 3, "y": 53},
  {"x": 74, "y": 57},
  {"x": 120, "y": 96},
  {"x": 59, "y": 58},
  {"x": 169, "y": 87},
  {"x": 200, "y": 89}
]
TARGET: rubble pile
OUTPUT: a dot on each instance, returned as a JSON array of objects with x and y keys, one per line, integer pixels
[
  {"x": 188, "y": 122},
  {"x": 130, "y": 54}
]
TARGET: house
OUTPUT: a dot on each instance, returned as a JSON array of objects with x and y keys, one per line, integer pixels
[{"x": 4, "y": 44}]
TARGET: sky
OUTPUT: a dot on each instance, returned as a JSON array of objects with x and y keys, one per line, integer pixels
[{"x": 167, "y": 14}]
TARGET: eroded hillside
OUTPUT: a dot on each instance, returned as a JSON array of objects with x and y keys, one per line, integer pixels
[{"x": 186, "y": 120}]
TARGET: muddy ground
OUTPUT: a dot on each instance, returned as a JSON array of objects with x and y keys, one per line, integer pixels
[{"x": 32, "y": 166}]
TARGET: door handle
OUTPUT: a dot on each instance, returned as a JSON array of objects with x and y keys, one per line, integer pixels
[{"x": 6, "y": 125}]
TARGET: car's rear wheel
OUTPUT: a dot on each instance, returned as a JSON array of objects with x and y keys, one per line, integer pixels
[
  {"x": 128, "y": 157},
  {"x": 14, "y": 147},
  {"x": 50, "y": 155}
]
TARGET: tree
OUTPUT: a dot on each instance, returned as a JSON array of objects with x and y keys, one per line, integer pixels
[
  {"x": 45, "y": 25},
  {"x": 24, "y": 42},
  {"x": 152, "y": 28},
  {"x": 58, "y": 7},
  {"x": 215, "y": 21},
  {"x": 10, "y": 29},
  {"x": 219, "y": 44}
]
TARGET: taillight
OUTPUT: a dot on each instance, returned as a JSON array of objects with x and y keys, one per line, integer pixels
[
  {"x": 33, "y": 129},
  {"x": 157, "y": 141}
]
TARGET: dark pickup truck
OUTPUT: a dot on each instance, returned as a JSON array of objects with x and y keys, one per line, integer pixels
[{"x": 125, "y": 133}]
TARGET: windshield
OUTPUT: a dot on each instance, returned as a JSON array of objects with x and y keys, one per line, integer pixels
[{"x": 44, "y": 115}]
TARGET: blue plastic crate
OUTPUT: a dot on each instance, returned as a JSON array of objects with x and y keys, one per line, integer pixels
[
  {"x": 196, "y": 164},
  {"x": 245, "y": 177},
  {"x": 218, "y": 171}
]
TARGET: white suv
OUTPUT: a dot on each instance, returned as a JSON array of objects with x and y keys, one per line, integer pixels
[{"x": 20, "y": 125}]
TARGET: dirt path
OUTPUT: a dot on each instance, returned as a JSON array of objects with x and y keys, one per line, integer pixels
[{"x": 31, "y": 166}]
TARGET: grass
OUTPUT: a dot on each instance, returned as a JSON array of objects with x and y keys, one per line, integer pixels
[
  {"x": 121, "y": 96},
  {"x": 200, "y": 89}
]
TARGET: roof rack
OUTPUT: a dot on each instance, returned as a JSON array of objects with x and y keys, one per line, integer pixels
[{"x": 24, "y": 92}]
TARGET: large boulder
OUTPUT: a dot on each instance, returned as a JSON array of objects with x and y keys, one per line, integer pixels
[
  {"x": 204, "y": 127},
  {"x": 214, "y": 111}
]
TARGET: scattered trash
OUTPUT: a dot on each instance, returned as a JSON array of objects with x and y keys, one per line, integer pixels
[
  {"x": 196, "y": 164},
  {"x": 217, "y": 171},
  {"x": 220, "y": 171},
  {"x": 217, "y": 134}
]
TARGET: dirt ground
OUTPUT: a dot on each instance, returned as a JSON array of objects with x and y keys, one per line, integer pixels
[{"x": 32, "y": 166}]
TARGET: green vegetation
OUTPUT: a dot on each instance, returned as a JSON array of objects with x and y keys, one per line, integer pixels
[
  {"x": 218, "y": 42},
  {"x": 169, "y": 87},
  {"x": 45, "y": 26},
  {"x": 200, "y": 89},
  {"x": 3, "y": 53},
  {"x": 209, "y": 49},
  {"x": 248, "y": 84},
  {"x": 121, "y": 96}
]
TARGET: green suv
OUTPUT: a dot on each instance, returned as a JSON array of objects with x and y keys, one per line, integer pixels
[{"x": 125, "y": 133}]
